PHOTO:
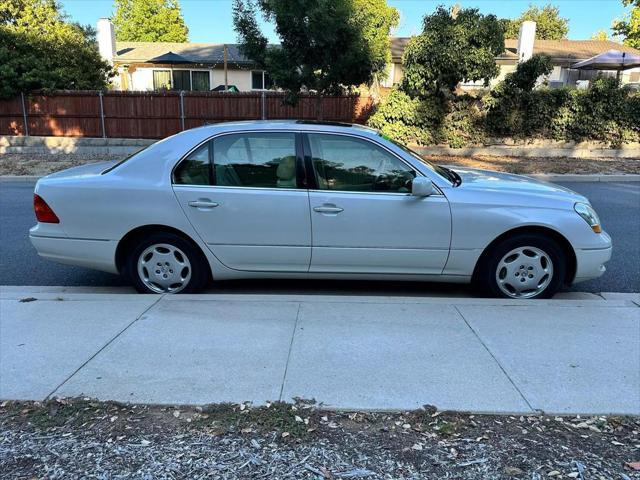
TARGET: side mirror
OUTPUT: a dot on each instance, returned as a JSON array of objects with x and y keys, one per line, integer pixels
[{"x": 422, "y": 187}]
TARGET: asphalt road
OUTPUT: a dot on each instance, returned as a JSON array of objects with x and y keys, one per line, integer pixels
[{"x": 618, "y": 205}]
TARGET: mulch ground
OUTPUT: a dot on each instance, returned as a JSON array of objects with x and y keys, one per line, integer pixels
[
  {"x": 29, "y": 164},
  {"x": 82, "y": 438}
]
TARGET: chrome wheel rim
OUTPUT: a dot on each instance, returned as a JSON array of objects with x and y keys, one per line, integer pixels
[
  {"x": 524, "y": 272},
  {"x": 164, "y": 268}
]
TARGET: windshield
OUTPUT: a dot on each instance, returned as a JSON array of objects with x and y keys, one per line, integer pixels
[{"x": 447, "y": 173}]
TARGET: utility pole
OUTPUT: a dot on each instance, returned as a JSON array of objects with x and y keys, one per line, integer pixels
[{"x": 226, "y": 80}]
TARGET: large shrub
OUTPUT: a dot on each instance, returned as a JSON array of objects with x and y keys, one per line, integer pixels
[
  {"x": 430, "y": 120},
  {"x": 604, "y": 112}
]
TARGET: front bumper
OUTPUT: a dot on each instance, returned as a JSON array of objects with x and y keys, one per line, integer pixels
[
  {"x": 95, "y": 254},
  {"x": 590, "y": 261}
]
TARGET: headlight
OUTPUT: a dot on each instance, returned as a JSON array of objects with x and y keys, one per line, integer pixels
[{"x": 590, "y": 216}]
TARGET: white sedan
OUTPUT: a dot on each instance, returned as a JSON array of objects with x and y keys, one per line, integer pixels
[{"x": 297, "y": 199}]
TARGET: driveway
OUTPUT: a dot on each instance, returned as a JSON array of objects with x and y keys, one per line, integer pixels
[
  {"x": 617, "y": 203},
  {"x": 346, "y": 352}
]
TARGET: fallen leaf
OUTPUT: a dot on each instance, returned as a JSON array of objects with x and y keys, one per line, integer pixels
[{"x": 513, "y": 471}]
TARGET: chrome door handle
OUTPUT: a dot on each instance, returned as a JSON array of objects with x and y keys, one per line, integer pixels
[
  {"x": 328, "y": 209},
  {"x": 203, "y": 204}
]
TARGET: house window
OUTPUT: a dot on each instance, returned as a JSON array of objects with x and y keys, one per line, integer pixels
[
  {"x": 161, "y": 79},
  {"x": 260, "y": 80},
  {"x": 181, "y": 80},
  {"x": 200, "y": 81},
  {"x": 186, "y": 80}
]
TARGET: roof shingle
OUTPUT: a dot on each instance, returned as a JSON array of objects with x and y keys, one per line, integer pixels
[
  {"x": 559, "y": 49},
  {"x": 209, "y": 53}
]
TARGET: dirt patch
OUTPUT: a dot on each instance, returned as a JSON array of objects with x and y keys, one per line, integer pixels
[
  {"x": 28, "y": 164},
  {"x": 523, "y": 165},
  {"x": 89, "y": 439},
  {"x": 44, "y": 164}
]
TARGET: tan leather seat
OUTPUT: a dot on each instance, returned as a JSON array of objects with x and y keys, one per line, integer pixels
[{"x": 286, "y": 173}]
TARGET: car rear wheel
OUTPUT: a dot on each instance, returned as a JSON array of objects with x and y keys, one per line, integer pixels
[
  {"x": 166, "y": 263},
  {"x": 523, "y": 266}
]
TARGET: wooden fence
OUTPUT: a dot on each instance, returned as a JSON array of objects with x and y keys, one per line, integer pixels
[{"x": 159, "y": 114}]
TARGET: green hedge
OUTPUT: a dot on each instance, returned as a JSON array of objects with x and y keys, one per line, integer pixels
[{"x": 604, "y": 112}]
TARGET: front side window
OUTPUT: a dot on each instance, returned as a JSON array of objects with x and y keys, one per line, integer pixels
[
  {"x": 355, "y": 165},
  {"x": 263, "y": 160},
  {"x": 195, "y": 169}
]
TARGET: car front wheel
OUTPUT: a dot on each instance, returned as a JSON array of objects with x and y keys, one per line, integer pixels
[
  {"x": 166, "y": 263},
  {"x": 523, "y": 266}
]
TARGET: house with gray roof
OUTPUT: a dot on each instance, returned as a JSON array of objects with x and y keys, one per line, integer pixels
[
  {"x": 147, "y": 66},
  {"x": 564, "y": 55}
]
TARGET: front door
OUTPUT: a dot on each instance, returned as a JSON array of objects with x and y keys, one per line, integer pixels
[
  {"x": 240, "y": 193},
  {"x": 363, "y": 217}
]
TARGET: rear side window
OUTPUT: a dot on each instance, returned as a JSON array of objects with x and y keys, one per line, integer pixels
[
  {"x": 258, "y": 160},
  {"x": 195, "y": 169}
]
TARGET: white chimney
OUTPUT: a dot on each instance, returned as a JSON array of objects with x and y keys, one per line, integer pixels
[
  {"x": 526, "y": 39},
  {"x": 106, "y": 39}
]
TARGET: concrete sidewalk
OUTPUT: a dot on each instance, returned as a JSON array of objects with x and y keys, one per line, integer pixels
[{"x": 348, "y": 352}]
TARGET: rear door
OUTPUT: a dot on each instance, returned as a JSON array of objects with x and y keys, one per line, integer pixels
[{"x": 241, "y": 193}]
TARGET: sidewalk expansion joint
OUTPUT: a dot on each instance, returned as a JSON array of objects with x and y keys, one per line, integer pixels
[
  {"x": 146, "y": 310},
  {"x": 495, "y": 359},
  {"x": 286, "y": 367}
]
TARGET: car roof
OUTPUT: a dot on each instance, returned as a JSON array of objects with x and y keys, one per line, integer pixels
[{"x": 302, "y": 125}]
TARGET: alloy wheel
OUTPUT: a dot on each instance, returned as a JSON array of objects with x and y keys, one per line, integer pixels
[
  {"x": 164, "y": 268},
  {"x": 524, "y": 272}
]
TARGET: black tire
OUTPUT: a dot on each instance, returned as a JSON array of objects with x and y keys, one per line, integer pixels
[
  {"x": 485, "y": 278},
  {"x": 199, "y": 266}
]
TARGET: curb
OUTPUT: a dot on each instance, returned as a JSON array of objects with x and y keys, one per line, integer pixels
[
  {"x": 547, "y": 177},
  {"x": 8, "y": 292},
  {"x": 572, "y": 177},
  {"x": 20, "y": 178}
]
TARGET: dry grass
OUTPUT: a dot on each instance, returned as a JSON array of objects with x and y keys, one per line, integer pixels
[
  {"x": 523, "y": 165},
  {"x": 29, "y": 164}
]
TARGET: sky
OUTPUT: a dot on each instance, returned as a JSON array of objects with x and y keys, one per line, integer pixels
[{"x": 211, "y": 20}]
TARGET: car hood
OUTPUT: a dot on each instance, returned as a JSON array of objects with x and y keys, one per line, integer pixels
[{"x": 509, "y": 183}]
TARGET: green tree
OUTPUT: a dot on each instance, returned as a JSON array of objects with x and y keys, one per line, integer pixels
[
  {"x": 629, "y": 27},
  {"x": 600, "y": 35},
  {"x": 325, "y": 45},
  {"x": 549, "y": 24},
  {"x": 377, "y": 20},
  {"x": 452, "y": 48},
  {"x": 149, "y": 21},
  {"x": 41, "y": 49}
]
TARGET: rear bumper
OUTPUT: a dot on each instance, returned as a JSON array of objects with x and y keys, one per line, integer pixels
[{"x": 95, "y": 254}]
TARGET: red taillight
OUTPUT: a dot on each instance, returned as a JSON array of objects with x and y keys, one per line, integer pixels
[{"x": 44, "y": 214}]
